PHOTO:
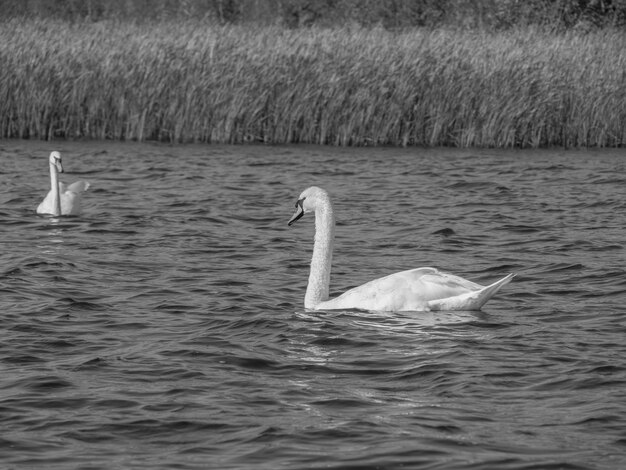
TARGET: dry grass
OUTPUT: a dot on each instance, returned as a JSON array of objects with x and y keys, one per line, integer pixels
[{"x": 185, "y": 82}]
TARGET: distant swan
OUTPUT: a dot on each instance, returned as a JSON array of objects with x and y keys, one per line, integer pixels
[
  {"x": 413, "y": 290},
  {"x": 61, "y": 200}
]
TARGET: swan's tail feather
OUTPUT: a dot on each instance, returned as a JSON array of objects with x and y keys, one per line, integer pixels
[
  {"x": 472, "y": 300},
  {"x": 483, "y": 295}
]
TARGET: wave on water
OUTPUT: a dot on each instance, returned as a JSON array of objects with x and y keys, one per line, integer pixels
[{"x": 164, "y": 327}]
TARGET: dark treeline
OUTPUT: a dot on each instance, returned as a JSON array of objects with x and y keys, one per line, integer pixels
[{"x": 485, "y": 14}]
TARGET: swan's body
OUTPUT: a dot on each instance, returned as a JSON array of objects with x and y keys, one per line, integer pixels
[
  {"x": 61, "y": 199},
  {"x": 416, "y": 289}
]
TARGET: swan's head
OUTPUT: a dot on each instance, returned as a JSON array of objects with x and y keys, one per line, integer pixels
[
  {"x": 309, "y": 200},
  {"x": 55, "y": 161}
]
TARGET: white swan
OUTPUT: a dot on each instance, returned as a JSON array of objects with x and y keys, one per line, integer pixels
[
  {"x": 413, "y": 290},
  {"x": 61, "y": 200}
]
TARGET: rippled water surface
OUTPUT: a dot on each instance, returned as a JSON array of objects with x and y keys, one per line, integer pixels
[{"x": 164, "y": 328}]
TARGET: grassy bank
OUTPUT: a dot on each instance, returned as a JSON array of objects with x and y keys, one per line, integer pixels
[{"x": 187, "y": 82}]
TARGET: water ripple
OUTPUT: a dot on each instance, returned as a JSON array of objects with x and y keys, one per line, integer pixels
[{"x": 164, "y": 327}]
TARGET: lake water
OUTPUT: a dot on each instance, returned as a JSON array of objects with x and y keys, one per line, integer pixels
[{"x": 164, "y": 328}]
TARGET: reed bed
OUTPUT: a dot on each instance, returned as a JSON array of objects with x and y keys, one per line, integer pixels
[{"x": 188, "y": 82}]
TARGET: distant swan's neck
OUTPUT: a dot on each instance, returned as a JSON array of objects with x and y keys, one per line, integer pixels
[
  {"x": 319, "y": 278},
  {"x": 56, "y": 197}
]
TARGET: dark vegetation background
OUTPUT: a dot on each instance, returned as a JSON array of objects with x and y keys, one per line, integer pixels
[{"x": 484, "y": 14}]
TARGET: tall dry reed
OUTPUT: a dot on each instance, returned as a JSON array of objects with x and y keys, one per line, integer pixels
[{"x": 186, "y": 82}]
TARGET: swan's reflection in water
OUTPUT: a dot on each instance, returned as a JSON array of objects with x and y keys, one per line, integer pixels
[{"x": 325, "y": 337}]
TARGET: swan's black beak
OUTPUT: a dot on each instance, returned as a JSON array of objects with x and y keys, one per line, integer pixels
[
  {"x": 59, "y": 166},
  {"x": 298, "y": 213}
]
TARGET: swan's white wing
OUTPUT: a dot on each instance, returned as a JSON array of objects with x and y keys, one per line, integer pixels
[
  {"x": 70, "y": 203},
  {"x": 71, "y": 197},
  {"x": 472, "y": 300},
  {"x": 437, "y": 283},
  {"x": 403, "y": 291},
  {"x": 77, "y": 187}
]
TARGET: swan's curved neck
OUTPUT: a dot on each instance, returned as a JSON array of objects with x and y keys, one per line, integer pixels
[
  {"x": 56, "y": 196},
  {"x": 319, "y": 278}
]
